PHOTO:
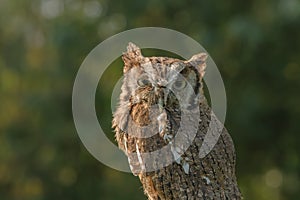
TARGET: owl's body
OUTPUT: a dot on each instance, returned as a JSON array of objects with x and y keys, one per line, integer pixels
[{"x": 161, "y": 124}]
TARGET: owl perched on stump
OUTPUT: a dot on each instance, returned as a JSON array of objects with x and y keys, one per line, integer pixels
[{"x": 173, "y": 141}]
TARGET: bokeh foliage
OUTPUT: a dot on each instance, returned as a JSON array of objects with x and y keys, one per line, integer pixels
[{"x": 256, "y": 45}]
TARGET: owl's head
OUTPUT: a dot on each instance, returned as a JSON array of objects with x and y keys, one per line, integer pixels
[{"x": 167, "y": 82}]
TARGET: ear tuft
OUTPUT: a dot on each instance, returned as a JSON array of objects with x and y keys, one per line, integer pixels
[
  {"x": 132, "y": 57},
  {"x": 133, "y": 48},
  {"x": 199, "y": 62}
]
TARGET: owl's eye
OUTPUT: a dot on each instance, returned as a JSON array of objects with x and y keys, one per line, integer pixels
[
  {"x": 143, "y": 81},
  {"x": 179, "y": 84}
]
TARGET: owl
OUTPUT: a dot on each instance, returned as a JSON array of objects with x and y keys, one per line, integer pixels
[{"x": 161, "y": 124}]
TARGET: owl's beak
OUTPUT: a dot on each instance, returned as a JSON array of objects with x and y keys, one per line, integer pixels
[{"x": 162, "y": 93}]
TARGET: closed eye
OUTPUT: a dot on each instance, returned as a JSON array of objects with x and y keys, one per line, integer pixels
[
  {"x": 143, "y": 81},
  {"x": 179, "y": 84}
]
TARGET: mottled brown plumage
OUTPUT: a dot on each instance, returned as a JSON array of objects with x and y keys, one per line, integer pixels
[{"x": 158, "y": 96}]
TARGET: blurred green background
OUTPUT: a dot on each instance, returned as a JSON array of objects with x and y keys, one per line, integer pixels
[{"x": 255, "y": 43}]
